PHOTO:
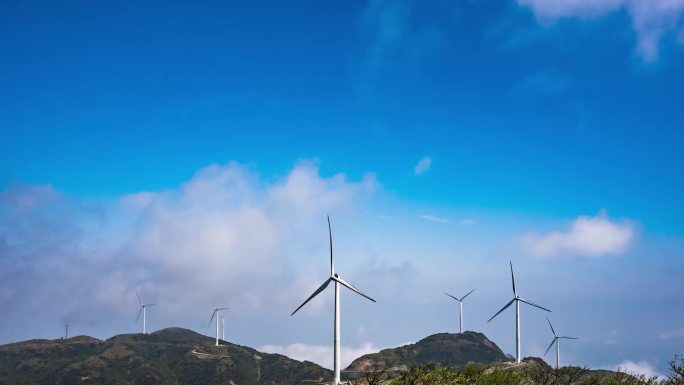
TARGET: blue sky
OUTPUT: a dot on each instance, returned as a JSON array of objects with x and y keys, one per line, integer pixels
[{"x": 553, "y": 132}]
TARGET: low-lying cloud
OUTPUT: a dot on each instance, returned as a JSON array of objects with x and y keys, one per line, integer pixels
[
  {"x": 588, "y": 236},
  {"x": 321, "y": 354}
]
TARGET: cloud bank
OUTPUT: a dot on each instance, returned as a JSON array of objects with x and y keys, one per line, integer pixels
[
  {"x": 588, "y": 236},
  {"x": 206, "y": 241}
]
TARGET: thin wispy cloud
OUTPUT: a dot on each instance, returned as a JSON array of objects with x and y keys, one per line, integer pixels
[
  {"x": 422, "y": 166},
  {"x": 433, "y": 218},
  {"x": 670, "y": 334},
  {"x": 651, "y": 19},
  {"x": 588, "y": 236},
  {"x": 391, "y": 32}
]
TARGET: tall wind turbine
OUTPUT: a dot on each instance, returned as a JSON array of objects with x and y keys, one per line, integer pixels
[
  {"x": 460, "y": 305},
  {"x": 216, "y": 314},
  {"x": 556, "y": 340},
  {"x": 334, "y": 277},
  {"x": 143, "y": 310},
  {"x": 517, "y": 300}
]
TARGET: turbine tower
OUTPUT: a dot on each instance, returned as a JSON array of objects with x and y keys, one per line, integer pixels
[
  {"x": 556, "y": 340},
  {"x": 460, "y": 306},
  {"x": 223, "y": 328},
  {"x": 143, "y": 310},
  {"x": 517, "y": 300},
  {"x": 216, "y": 314},
  {"x": 334, "y": 277}
]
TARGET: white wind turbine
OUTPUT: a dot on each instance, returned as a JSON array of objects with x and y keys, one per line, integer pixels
[
  {"x": 216, "y": 314},
  {"x": 334, "y": 277},
  {"x": 517, "y": 301},
  {"x": 143, "y": 308},
  {"x": 556, "y": 340},
  {"x": 460, "y": 305}
]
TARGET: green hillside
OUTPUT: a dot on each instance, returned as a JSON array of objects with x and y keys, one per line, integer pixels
[
  {"x": 169, "y": 356},
  {"x": 450, "y": 349}
]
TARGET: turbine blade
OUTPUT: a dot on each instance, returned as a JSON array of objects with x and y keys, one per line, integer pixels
[
  {"x": 534, "y": 304},
  {"x": 549, "y": 348},
  {"x": 138, "y": 317},
  {"x": 464, "y": 297},
  {"x": 502, "y": 309},
  {"x": 453, "y": 297},
  {"x": 515, "y": 292},
  {"x": 212, "y": 317},
  {"x": 552, "y": 331},
  {"x": 351, "y": 287},
  {"x": 150, "y": 304},
  {"x": 569, "y": 338},
  {"x": 222, "y": 308},
  {"x": 320, "y": 289},
  {"x": 139, "y": 299},
  {"x": 332, "y": 265}
]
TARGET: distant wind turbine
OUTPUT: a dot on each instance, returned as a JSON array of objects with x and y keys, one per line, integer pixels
[
  {"x": 517, "y": 301},
  {"x": 460, "y": 305},
  {"x": 556, "y": 340},
  {"x": 216, "y": 314},
  {"x": 143, "y": 310},
  {"x": 66, "y": 332},
  {"x": 334, "y": 277}
]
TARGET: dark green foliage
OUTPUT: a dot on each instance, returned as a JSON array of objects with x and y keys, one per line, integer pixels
[
  {"x": 676, "y": 376},
  {"x": 430, "y": 374}
]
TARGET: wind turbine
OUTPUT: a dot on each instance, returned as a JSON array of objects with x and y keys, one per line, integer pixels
[
  {"x": 216, "y": 314},
  {"x": 517, "y": 300},
  {"x": 143, "y": 308},
  {"x": 556, "y": 340},
  {"x": 334, "y": 277},
  {"x": 460, "y": 305}
]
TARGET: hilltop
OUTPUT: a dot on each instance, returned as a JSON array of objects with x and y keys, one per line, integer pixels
[
  {"x": 168, "y": 356},
  {"x": 452, "y": 349}
]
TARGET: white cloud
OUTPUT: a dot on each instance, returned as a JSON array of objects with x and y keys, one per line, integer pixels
[
  {"x": 422, "y": 166},
  {"x": 651, "y": 19},
  {"x": 640, "y": 367},
  {"x": 433, "y": 218},
  {"x": 182, "y": 248},
  {"x": 670, "y": 334},
  {"x": 321, "y": 354},
  {"x": 588, "y": 236},
  {"x": 467, "y": 222}
]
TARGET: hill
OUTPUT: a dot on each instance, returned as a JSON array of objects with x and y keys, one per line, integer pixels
[
  {"x": 450, "y": 349},
  {"x": 169, "y": 356}
]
